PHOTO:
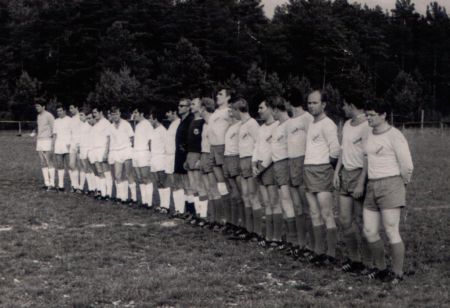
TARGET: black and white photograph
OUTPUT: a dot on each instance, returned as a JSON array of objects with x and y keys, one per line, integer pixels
[{"x": 224, "y": 153}]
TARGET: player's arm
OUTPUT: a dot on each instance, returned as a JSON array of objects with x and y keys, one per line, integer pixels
[
  {"x": 358, "y": 192},
  {"x": 108, "y": 142},
  {"x": 404, "y": 158},
  {"x": 336, "y": 179},
  {"x": 330, "y": 133}
]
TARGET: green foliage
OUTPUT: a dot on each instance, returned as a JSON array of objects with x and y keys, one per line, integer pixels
[
  {"x": 405, "y": 95},
  {"x": 21, "y": 103}
]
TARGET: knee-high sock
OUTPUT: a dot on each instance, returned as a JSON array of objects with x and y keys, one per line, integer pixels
[
  {"x": 291, "y": 230},
  {"x": 143, "y": 194},
  {"x": 149, "y": 193},
  {"x": 203, "y": 203},
  {"x": 71, "y": 178},
  {"x": 166, "y": 193},
  {"x": 178, "y": 200},
  {"x": 331, "y": 241},
  {"x": 133, "y": 191},
  {"x": 91, "y": 181},
  {"x": 377, "y": 249},
  {"x": 51, "y": 176},
  {"x": 241, "y": 212},
  {"x": 249, "y": 219},
  {"x": 257, "y": 221},
  {"x": 46, "y": 176},
  {"x": 269, "y": 227},
  {"x": 319, "y": 239},
  {"x": 366, "y": 254},
  {"x": 74, "y": 181},
  {"x": 119, "y": 193},
  {"x": 398, "y": 257},
  {"x": 61, "y": 178},
  {"x": 82, "y": 180},
  {"x": 234, "y": 211},
  {"x": 277, "y": 226},
  {"x": 108, "y": 183},
  {"x": 125, "y": 190},
  {"x": 76, "y": 177},
  {"x": 301, "y": 230},
  {"x": 351, "y": 242},
  {"x": 103, "y": 187},
  {"x": 310, "y": 230}
]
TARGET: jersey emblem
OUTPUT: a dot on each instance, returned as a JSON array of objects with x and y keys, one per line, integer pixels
[
  {"x": 379, "y": 150},
  {"x": 315, "y": 138},
  {"x": 357, "y": 140},
  {"x": 196, "y": 131}
]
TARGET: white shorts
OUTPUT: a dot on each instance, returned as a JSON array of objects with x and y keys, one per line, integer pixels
[
  {"x": 142, "y": 158},
  {"x": 84, "y": 153},
  {"x": 61, "y": 146},
  {"x": 73, "y": 148},
  {"x": 119, "y": 156},
  {"x": 170, "y": 163},
  {"x": 96, "y": 155},
  {"x": 159, "y": 162},
  {"x": 44, "y": 145}
]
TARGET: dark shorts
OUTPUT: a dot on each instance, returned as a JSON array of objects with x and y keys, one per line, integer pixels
[
  {"x": 296, "y": 166},
  {"x": 192, "y": 161},
  {"x": 206, "y": 163},
  {"x": 245, "y": 165},
  {"x": 281, "y": 172},
  {"x": 160, "y": 178},
  {"x": 231, "y": 166},
  {"x": 267, "y": 177},
  {"x": 318, "y": 178},
  {"x": 349, "y": 180},
  {"x": 217, "y": 153},
  {"x": 180, "y": 158},
  {"x": 385, "y": 193}
]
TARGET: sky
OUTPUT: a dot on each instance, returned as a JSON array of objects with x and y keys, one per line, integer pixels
[{"x": 421, "y": 5}]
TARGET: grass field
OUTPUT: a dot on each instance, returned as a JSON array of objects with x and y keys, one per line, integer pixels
[{"x": 65, "y": 250}]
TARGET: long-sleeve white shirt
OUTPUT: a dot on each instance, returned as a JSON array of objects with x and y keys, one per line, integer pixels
[
  {"x": 142, "y": 135},
  {"x": 62, "y": 129},
  {"x": 45, "y": 122},
  {"x": 171, "y": 135},
  {"x": 232, "y": 139},
  {"x": 120, "y": 135},
  {"x": 100, "y": 133},
  {"x": 248, "y": 133},
  {"x": 388, "y": 155},
  {"x": 353, "y": 140},
  {"x": 263, "y": 148},
  {"x": 321, "y": 142},
  {"x": 75, "y": 129},
  {"x": 297, "y": 129}
]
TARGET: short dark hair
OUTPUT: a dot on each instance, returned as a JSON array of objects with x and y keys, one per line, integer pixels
[
  {"x": 277, "y": 102},
  {"x": 296, "y": 97},
  {"x": 99, "y": 108},
  {"x": 59, "y": 105},
  {"x": 241, "y": 105},
  {"x": 73, "y": 104},
  {"x": 158, "y": 114},
  {"x": 39, "y": 101},
  {"x": 114, "y": 109},
  {"x": 142, "y": 110},
  {"x": 86, "y": 110},
  {"x": 323, "y": 94},
  {"x": 208, "y": 104},
  {"x": 378, "y": 105}
]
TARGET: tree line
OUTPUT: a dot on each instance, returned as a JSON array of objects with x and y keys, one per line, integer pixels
[{"x": 152, "y": 52}]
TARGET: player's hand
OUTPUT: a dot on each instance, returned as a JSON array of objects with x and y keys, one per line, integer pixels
[
  {"x": 185, "y": 166},
  {"x": 255, "y": 171},
  {"x": 358, "y": 191},
  {"x": 197, "y": 165},
  {"x": 336, "y": 180}
]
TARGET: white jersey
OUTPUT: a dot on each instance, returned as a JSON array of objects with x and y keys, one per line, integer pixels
[
  {"x": 263, "y": 148},
  {"x": 388, "y": 155},
  {"x": 45, "y": 123},
  {"x": 171, "y": 135},
  {"x": 158, "y": 150},
  {"x": 353, "y": 140},
  {"x": 85, "y": 136},
  {"x": 297, "y": 130},
  {"x": 232, "y": 139},
  {"x": 248, "y": 134},
  {"x": 219, "y": 123},
  {"x": 100, "y": 133},
  {"x": 120, "y": 135},
  {"x": 75, "y": 130},
  {"x": 142, "y": 135},
  {"x": 321, "y": 142},
  {"x": 205, "y": 140},
  {"x": 279, "y": 142},
  {"x": 62, "y": 130}
]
